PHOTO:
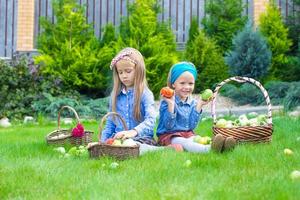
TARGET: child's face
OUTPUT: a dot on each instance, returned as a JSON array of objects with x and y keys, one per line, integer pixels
[
  {"x": 184, "y": 85},
  {"x": 126, "y": 72}
]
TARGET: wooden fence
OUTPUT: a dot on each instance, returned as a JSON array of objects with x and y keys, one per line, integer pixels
[{"x": 101, "y": 12}]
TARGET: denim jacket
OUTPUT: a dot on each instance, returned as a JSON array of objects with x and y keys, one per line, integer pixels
[
  {"x": 125, "y": 107},
  {"x": 184, "y": 118}
]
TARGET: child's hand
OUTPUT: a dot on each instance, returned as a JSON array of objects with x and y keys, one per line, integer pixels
[
  {"x": 170, "y": 102},
  {"x": 201, "y": 103},
  {"x": 125, "y": 134}
]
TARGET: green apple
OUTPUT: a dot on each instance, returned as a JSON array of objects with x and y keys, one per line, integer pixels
[
  {"x": 295, "y": 175},
  {"x": 221, "y": 123},
  {"x": 206, "y": 94},
  {"x": 252, "y": 115},
  {"x": 129, "y": 142},
  {"x": 187, "y": 163},
  {"x": 262, "y": 119},
  {"x": 73, "y": 151},
  {"x": 288, "y": 152},
  {"x": 117, "y": 142},
  {"x": 60, "y": 150},
  {"x": 208, "y": 139},
  {"x": 197, "y": 138},
  {"x": 114, "y": 165}
]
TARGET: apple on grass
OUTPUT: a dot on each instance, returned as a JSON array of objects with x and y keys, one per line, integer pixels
[
  {"x": 288, "y": 152},
  {"x": 295, "y": 175},
  {"x": 187, "y": 163}
]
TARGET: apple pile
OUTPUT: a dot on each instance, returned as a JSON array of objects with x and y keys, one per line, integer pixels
[
  {"x": 202, "y": 140},
  {"x": 118, "y": 142},
  {"x": 251, "y": 119},
  {"x": 80, "y": 151}
]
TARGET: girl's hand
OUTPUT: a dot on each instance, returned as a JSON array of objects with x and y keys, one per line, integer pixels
[
  {"x": 125, "y": 134},
  {"x": 170, "y": 102},
  {"x": 201, "y": 103}
]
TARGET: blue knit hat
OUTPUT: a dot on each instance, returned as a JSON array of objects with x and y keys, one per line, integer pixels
[{"x": 178, "y": 68}]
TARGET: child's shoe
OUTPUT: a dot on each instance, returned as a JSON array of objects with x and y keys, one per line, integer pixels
[
  {"x": 229, "y": 144},
  {"x": 176, "y": 147},
  {"x": 218, "y": 143}
]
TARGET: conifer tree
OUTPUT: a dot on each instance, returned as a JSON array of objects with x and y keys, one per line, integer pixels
[
  {"x": 209, "y": 62},
  {"x": 141, "y": 30},
  {"x": 250, "y": 56},
  {"x": 223, "y": 20},
  {"x": 272, "y": 27}
]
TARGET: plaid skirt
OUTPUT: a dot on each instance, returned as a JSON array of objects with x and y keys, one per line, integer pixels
[
  {"x": 145, "y": 140},
  {"x": 165, "y": 139}
]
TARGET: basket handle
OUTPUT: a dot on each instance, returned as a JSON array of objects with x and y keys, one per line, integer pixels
[
  {"x": 241, "y": 79},
  {"x": 70, "y": 108},
  {"x": 104, "y": 119}
]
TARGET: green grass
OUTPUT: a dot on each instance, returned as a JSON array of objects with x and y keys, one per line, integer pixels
[{"x": 29, "y": 169}]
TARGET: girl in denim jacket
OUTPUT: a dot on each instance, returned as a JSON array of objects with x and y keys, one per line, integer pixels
[
  {"x": 180, "y": 114},
  {"x": 133, "y": 100}
]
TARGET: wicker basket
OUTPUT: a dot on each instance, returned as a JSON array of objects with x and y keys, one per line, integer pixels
[
  {"x": 63, "y": 136},
  {"x": 119, "y": 152},
  {"x": 262, "y": 133}
]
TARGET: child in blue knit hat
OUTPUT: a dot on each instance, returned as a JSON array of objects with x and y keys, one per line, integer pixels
[{"x": 180, "y": 114}]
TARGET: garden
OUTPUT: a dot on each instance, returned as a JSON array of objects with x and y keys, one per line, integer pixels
[{"x": 72, "y": 68}]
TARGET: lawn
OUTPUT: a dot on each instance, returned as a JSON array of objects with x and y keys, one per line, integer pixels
[{"x": 29, "y": 169}]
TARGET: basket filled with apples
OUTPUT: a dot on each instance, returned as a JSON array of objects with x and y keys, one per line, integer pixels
[
  {"x": 245, "y": 128},
  {"x": 76, "y": 136},
  {"x": 116, "y": 148}
]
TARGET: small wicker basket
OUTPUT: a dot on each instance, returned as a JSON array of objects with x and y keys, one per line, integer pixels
[
  {"x": 261, "y": 133},
  {"x": 119, "y": 152},
  {"x": 63, "y": 136}
]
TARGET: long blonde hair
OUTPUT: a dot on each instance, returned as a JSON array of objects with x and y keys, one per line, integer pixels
[{"x": 140, "y": 82}]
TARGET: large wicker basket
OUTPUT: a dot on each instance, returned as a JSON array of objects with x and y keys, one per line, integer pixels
[
  {"x": 63, "y": 136},
  {"x": 261, "y": 133},
  {"x": 119, "y": 152}
]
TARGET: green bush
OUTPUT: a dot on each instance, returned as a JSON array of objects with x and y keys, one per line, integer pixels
[
  {"x": 208, "y": 60},
  {"x": 292, "y": 99},
  {"x": 293, "y": 25},
  {"x": 85, "y": 107},
  {"x": 250, "y": 56},
  {"x": 292, "y": 69},
  {"x": 244, "y": 94},
  {"x": 69, "y": 50},
  {"x": 223, "y": 20},
  {"x": 141, "y": 30},
  {"x": 21, "y": 84},
  {"x": 277, "y": 91},
  {"x": 272, "y": 27},
  {"x": 193, "y": 33}
]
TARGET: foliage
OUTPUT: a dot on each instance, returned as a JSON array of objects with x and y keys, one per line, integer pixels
[
  {"x": 193, "y": 33},
  {"x": 292, "y": 72},
  {"x": 250, "y": 56},
  {"x": 155, "y": 40},
  {"x": 223, "y": 20},
  {"x": 292, "y": 99},
  {"x": 293, "y": 25},
  {"x": 109, "y": 35},
  {"x": 208, "y": 60},
  {"x": 244, "y": 94},
  {"x": 49, "y": 106},
  {"x": 277, "y": 91},
  {"x": 272, "y": 27},
  {"x": 21, "y": 84},
  {"x": 70, "y": 51}
]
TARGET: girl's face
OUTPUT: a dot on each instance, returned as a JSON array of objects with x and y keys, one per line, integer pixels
[
  {"x": 184, "y": 85},
  {"x": 126, "y": 72}
]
